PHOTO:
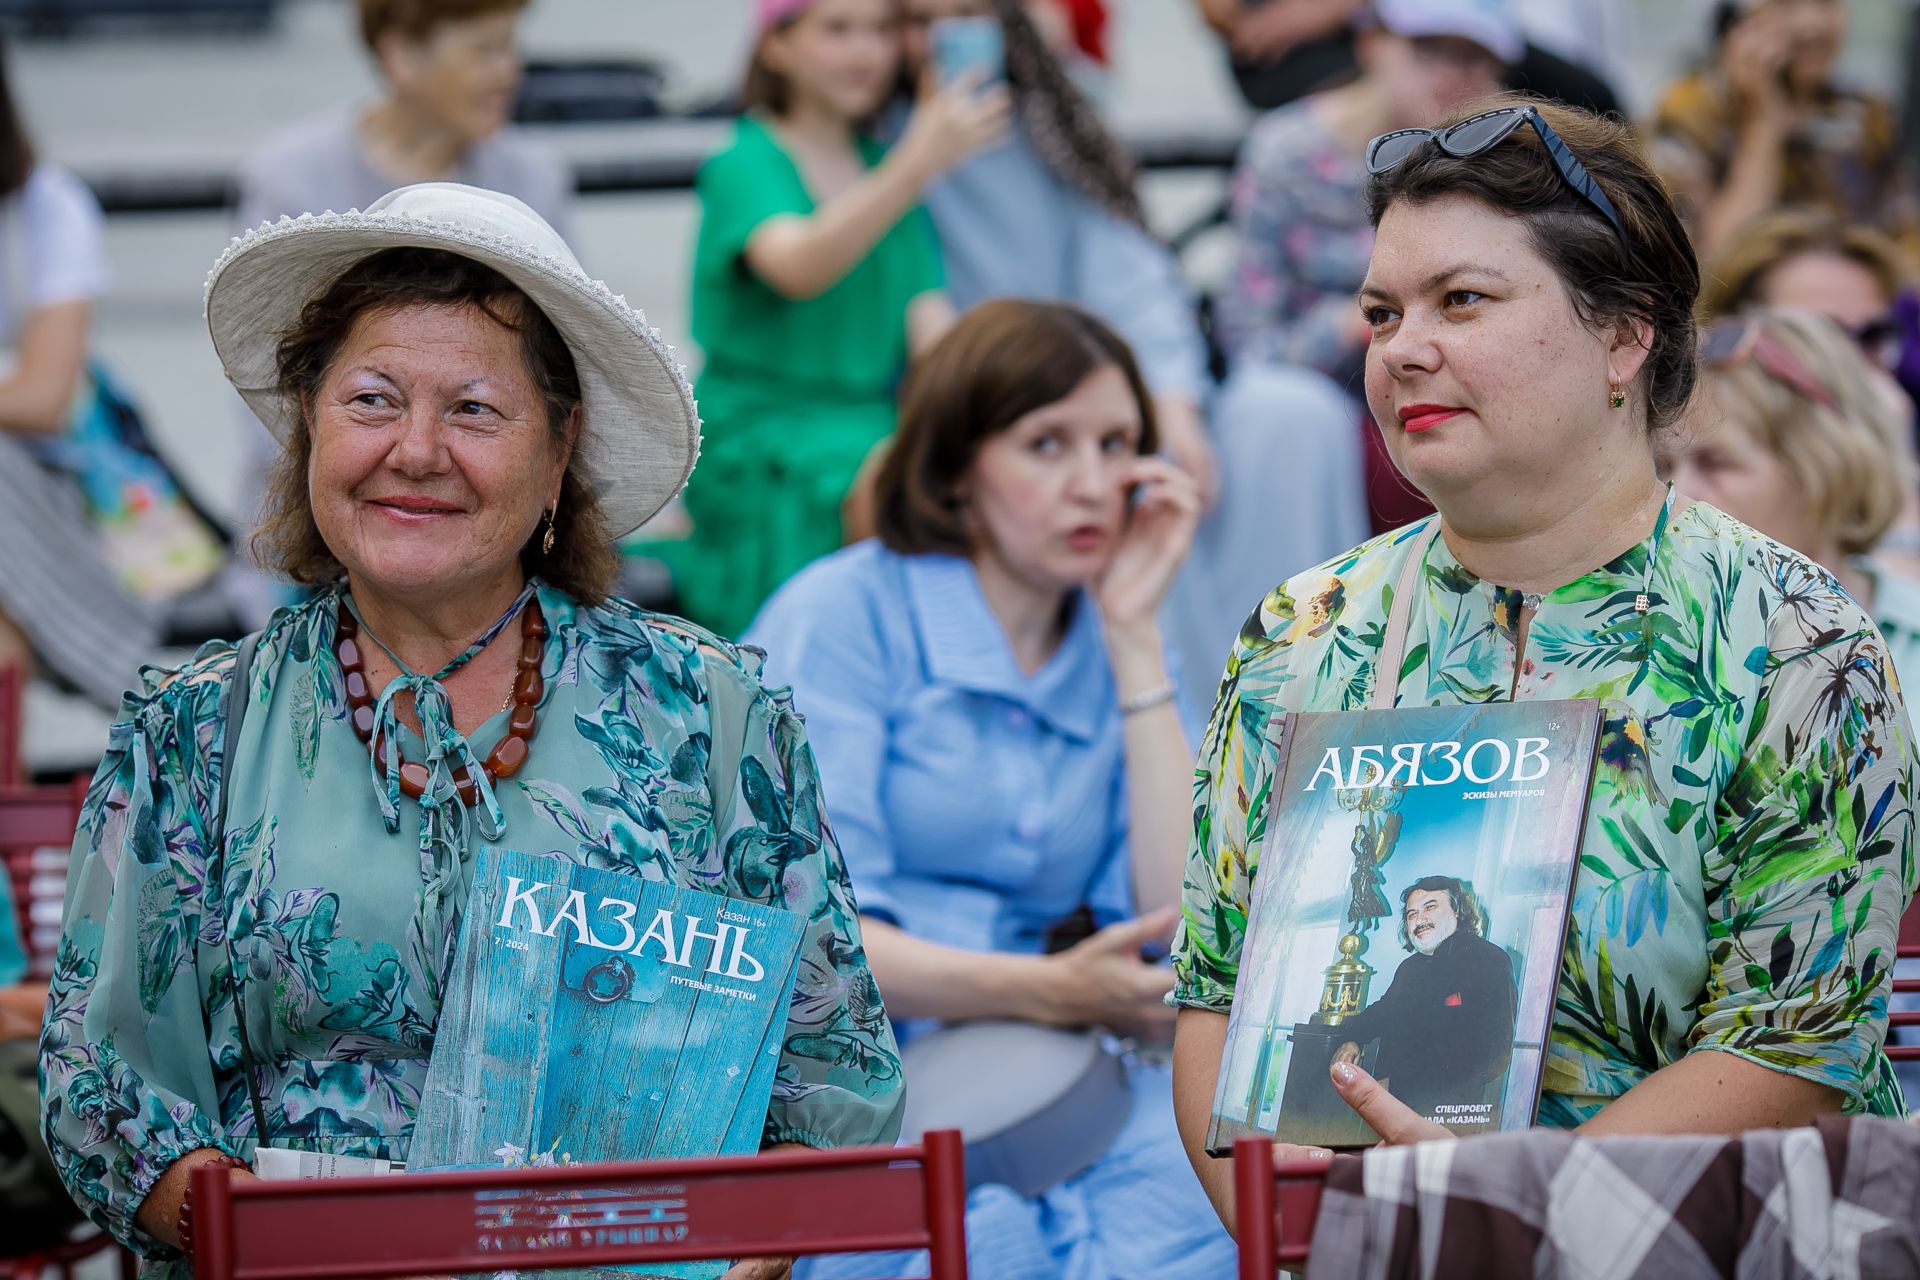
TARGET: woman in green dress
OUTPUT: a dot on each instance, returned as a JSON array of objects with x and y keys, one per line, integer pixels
[
  {"x": 815, "y": 275},
  {"x": 468, "y": 421},
  {"x": 1749, "y": 847}
]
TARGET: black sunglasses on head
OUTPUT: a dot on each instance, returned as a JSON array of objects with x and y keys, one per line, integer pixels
[{"x": 1482, "y": 133}]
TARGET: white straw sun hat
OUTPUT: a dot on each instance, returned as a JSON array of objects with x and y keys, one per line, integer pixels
[{"x": 640, "y": 432}]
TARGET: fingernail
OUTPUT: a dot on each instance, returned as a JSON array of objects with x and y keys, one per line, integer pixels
[
  {"x": 1343, "y": 1072},
  {"x": 1319, "y": 1153}
]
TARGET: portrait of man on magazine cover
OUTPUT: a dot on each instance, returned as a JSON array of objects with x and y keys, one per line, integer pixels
[{"x": 1445, "y": 1026}]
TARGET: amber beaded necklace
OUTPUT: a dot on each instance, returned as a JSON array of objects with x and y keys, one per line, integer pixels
[{"x": 507, "y": 756}]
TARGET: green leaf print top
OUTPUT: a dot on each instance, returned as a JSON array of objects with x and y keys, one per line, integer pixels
[
  {"x": 658, "y": 754},
  {"x": 1749, "y": 844}
]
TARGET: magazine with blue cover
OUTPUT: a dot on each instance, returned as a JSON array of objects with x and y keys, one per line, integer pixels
[
  {"x": 594, "y": 1016},
  {"x": 1409, "y": 913}
]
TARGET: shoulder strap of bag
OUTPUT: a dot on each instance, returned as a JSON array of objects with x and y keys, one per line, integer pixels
[
  {"x": 233, "y": 707},
  {"x": 1393, "y": 647}
]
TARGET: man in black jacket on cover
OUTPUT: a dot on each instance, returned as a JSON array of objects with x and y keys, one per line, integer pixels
[{"x": 1445, "y": 1025}]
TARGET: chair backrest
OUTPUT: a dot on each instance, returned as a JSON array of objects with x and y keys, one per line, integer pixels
[
  {"x": 12, "y": 697},
  {"x": 36, "y": 835},
  {"x": 1903, "y": 1013},
  {"x": 850, "y": 1201},
  {"x": 1264, "y": 1193}
]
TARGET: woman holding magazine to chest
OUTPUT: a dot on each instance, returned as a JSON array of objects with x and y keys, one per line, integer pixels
[
  {"x": 270, "y": 870},
  {"x": 1530, "y": 300}
]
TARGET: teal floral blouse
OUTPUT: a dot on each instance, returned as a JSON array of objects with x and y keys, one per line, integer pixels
[
  {"x": 658, "y": 753},
  {"x": 1749, "y": 844}
]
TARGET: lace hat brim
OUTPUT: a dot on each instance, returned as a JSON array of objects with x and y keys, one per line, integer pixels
[{"x": 640, "y": 430}]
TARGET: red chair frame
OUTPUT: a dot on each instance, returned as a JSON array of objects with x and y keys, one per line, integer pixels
[
  {"x": 64, "y": 1258},
  {"x": 12, "y": 700},
  {"x": 33, "y": 819},
  {"x": 1908, "y": 949},
  {"x": 857, "y": 1200},
  {"x": 1264, "y": 1192}
]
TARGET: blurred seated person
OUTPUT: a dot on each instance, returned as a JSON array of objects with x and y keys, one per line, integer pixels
[
  {"x": 1791, "y": 433},
  {"x": 815, "y": 277},
  {"x": 1051, "y": 213},
  {"x": 63, "y": 605},
  {"x": 1001, "y": 747},
  {"x": 1807, "y": 259},
  {"x": 1766, "y": 124},
  {"x": 1282, "y": 50},
  {"x": 1539, "y": 1204},
  {"x": 449, "y": 72},
  {"x": 1300, "y": 214}
]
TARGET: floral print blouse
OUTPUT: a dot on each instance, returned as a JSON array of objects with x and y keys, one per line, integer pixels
[
  {"x": 1300, "y": 216},
  {"x": 658, "y": 753},
  {"x": 1749, "y": 843}
]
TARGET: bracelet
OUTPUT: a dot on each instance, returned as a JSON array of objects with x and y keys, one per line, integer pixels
[
  {"x": 184, "y": 1223},
  {"x": 1149, "y": 700}
]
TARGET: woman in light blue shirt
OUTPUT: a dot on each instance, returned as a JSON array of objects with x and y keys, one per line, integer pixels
[
  {"x": 1000, "y": 747},
  {"x": 1050, "y": 213}
]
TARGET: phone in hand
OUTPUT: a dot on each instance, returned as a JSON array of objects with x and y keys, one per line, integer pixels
[{"x": 962, "y": 45}]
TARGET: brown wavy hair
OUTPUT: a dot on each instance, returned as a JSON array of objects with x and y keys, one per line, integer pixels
[
  {"x": 583, "y": 562},
  {"x": 999, "y": 362}
]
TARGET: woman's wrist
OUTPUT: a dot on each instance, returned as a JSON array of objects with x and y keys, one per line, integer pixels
[{"x": 1138, "y": 657}]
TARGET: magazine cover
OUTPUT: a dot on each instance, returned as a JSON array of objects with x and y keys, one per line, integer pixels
[
  {"x": 1409, "y": 914},
  {"x": 597, "y": 1016}
]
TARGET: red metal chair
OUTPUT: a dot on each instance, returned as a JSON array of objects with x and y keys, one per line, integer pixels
[
  {"x": 12, "y": 697},
  {"x": 36, "y": 833},
  {"x": 861, "y": 1200},
  {"x": 1909, "y": 949},
  {"x": 1274, "y": 1206}
]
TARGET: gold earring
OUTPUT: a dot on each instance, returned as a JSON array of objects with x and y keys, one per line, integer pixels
[
  {"x": 1619, "y": 399},
  {"x": 546, "y": 543}
]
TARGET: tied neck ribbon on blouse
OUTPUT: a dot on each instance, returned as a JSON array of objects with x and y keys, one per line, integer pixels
[{"x": 444, "y": 820}]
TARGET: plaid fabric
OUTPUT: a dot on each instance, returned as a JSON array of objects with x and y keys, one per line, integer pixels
[{"x": 1833, "y": 1202}]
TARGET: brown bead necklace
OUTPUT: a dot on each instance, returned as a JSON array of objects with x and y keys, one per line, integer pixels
[{"x": 507, "y": 756}]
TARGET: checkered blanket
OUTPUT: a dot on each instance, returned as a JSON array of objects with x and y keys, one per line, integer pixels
[{"x": 1834, "y": 1202}]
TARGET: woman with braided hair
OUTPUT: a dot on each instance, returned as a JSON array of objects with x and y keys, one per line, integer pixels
[{"x": 1050, "y": 213}]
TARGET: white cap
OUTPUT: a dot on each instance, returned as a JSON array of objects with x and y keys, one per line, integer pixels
[{"x": 1485, "y": 22}]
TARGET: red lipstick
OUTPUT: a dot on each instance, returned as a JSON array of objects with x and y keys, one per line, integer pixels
[{"x": 1424, "y": 417}]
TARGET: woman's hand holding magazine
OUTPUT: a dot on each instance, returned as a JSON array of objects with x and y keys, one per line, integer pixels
[{"x": 1397, "y": 1124}]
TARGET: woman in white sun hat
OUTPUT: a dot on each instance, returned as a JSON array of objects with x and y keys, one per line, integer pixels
[{"x": 468, "y": 421}]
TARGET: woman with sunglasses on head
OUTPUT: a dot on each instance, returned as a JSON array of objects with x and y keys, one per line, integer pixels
[
  {"x": 1792, "y": 432},
  {"x": 1749, "y": 846}
]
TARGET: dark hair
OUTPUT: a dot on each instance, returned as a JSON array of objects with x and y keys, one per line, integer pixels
[
  {"x": 16, "y": 152},
  {"x": 999, "y": 362},
  {"x": 582, "y": 563},
  {"x": 416, "y": 19},
  {"x": 1460, "y": 896},
  {"x": 1647, "y": 272}
]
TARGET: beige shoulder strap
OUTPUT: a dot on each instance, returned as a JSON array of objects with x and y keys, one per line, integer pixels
[{"x": 1393, "y": 649}]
